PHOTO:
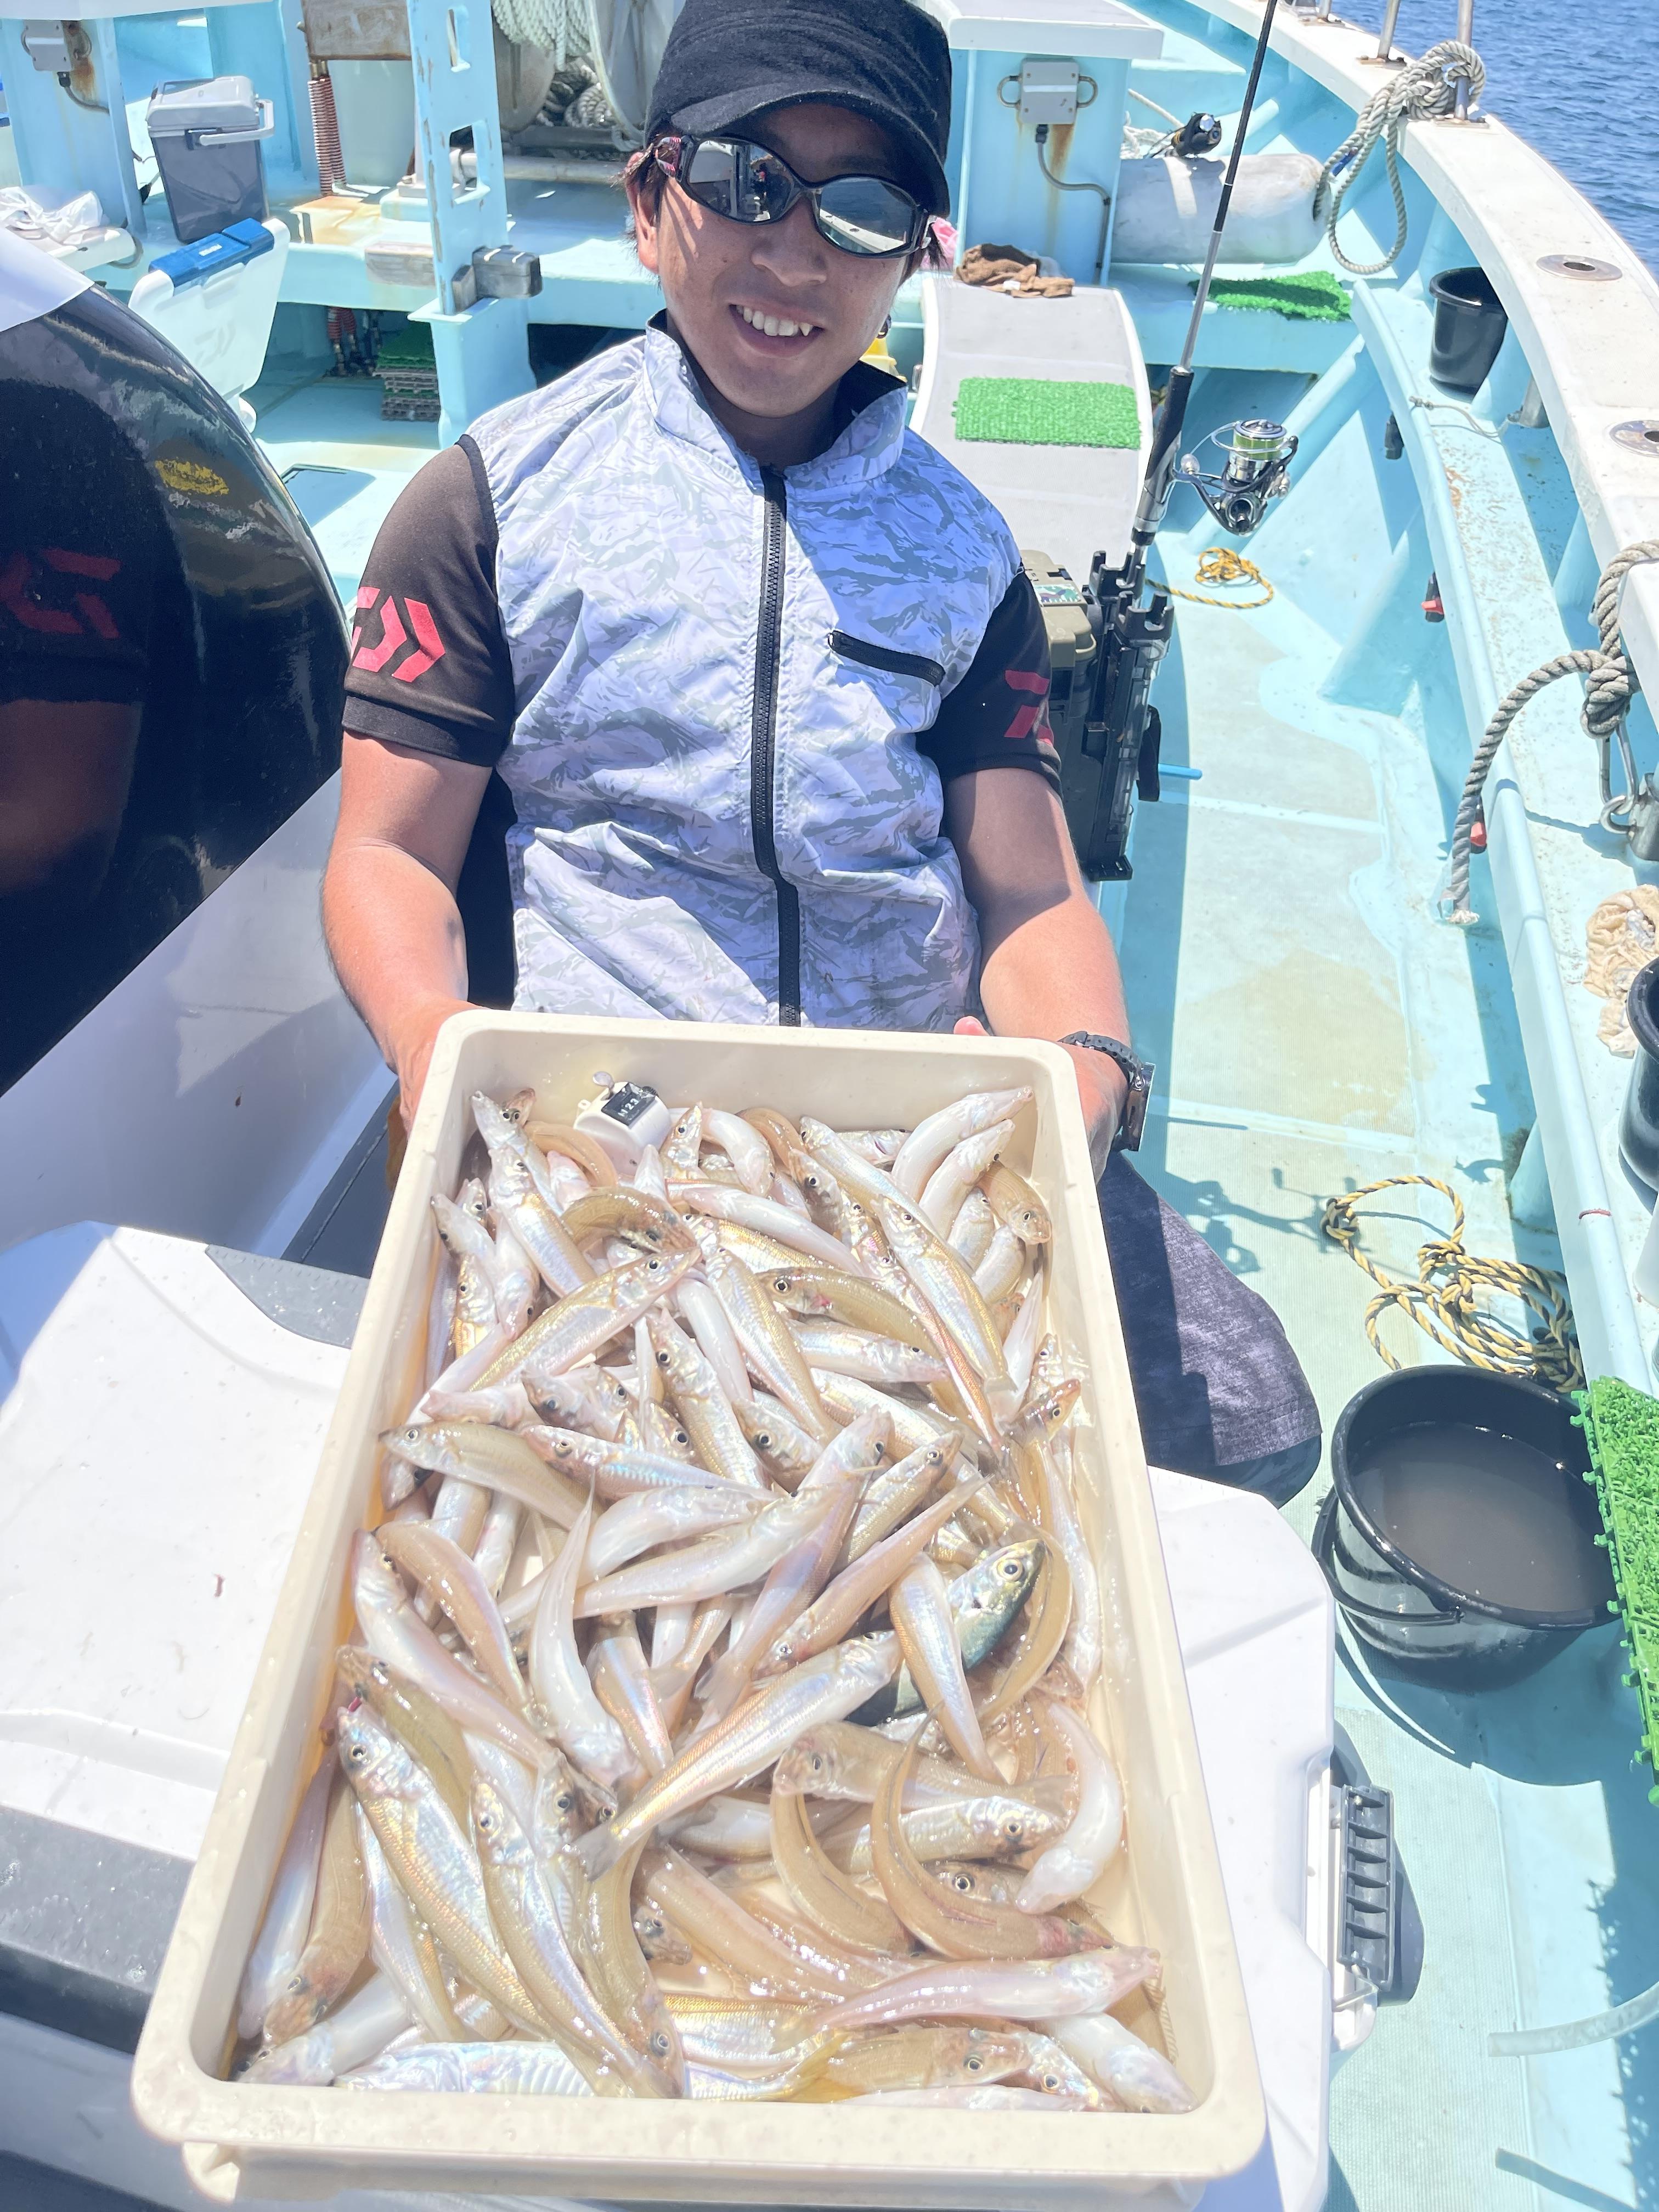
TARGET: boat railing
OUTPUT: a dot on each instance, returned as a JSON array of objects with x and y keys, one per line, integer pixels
[
  {"x": 1590, "y": 342},
  {"x": 1385, "y": 51},
  {"x": 1466, "y": 37},
  {"x": 1319, "y": 11}
]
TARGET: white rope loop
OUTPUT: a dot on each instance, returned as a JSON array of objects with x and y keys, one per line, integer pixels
[
  {"x": 1424, "y": 90},
  {"x": 1610, "y": 684}
]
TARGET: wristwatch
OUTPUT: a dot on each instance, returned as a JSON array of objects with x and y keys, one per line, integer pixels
[{"x": 1139, "y": 1075}]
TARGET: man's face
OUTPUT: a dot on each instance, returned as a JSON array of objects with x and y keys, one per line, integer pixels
[{"x": 723, "y": 281}]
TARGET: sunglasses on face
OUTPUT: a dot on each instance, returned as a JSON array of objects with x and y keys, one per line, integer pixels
[{"x": 746, "y": 182}]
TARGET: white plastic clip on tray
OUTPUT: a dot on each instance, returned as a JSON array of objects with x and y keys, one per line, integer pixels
[{"x": 722, "y": 1735}]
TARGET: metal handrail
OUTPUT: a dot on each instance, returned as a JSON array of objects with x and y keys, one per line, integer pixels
[
  {"x": 1466, "y": 34},
  {"x": 1385, "y": 52}
]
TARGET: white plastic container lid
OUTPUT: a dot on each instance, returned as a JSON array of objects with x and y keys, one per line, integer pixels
[{"x": 211, "y": 103}]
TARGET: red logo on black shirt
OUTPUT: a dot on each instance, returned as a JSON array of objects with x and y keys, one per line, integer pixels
[
  {"x": 403, "y": 622},
  {"x": 1026, "y": 718},
  {"x": 27, "y": 594}
]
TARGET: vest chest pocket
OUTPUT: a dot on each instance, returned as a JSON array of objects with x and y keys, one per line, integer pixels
[{"x": 884, "y": 657}]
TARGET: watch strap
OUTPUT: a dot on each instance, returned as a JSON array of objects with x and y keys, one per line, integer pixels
[{"x": 1138, "y": 1075}]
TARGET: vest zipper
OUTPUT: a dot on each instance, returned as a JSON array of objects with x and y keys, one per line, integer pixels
[{"x": 763, "y": 746}]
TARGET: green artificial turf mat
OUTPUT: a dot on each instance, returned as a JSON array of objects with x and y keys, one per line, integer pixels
[
  {"x": 409, "y": 348},
  {"x": 1623, "y": 1428},
  {"x": 1040, "y": 411},
  {"x": 1312, "y": 296}
]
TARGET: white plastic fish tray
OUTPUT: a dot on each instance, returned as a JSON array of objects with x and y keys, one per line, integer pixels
[{"x": 258, "y": 2141}]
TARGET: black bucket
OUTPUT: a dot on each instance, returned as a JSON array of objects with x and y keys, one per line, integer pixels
[
  {"x": 1460, "y": 1536},
  {"x": 1638, "y": 1122},
  {"x": 1469, "y": 323}
]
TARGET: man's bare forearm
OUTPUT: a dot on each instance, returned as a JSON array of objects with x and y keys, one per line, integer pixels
[
  {"x": 1055, "y": 972},
  {"x": 1051, "y": 969},
  {"x": 394, "y": 934},
  {"x": 1047, "y": 965}
]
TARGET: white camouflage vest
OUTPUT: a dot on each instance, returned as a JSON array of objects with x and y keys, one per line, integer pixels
[{"x": 720, "y": 674}]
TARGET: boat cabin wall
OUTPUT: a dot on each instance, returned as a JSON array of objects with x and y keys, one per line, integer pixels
[
  {"x": 62, "y": 144},
  {"x": 1002, "y": 194}
]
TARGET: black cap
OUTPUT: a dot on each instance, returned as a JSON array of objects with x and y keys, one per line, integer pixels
[{"x": 726, "y": 60}]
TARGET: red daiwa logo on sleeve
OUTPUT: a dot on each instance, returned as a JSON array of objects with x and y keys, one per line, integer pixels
[
  {"x": 1026, "y": 718},
  {"x": 401, "y": 622},
  {"x": 26, "y": 592}
]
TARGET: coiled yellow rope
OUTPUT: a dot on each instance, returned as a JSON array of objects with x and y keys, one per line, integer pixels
[
  {"x": 1452, "y": 1287},
  {"x": 1219, "y": 564}
]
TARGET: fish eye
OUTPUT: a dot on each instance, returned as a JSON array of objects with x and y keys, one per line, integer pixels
[
  {"x": 564, "y": 1803},
  {"x": 660, "y": 2044},
  {"x": 1050, "y": 2080},
  {"x": 1010, "y": 1570},
  {"x": 962, "y": 1883},
  {"x": 780, "y": 1282},
  {"x": 973, "y": 2065},
  {"x": 817, "y": 1762},
  {"x": 1015, "y": 1831},
  {"x": 681, "y": 1437},
  {"x": 762, "y": 1440},
  {"x": 662, "y": 1359}
]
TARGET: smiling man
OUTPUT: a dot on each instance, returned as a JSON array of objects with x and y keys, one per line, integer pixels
[{"x": 763, "y": 675}]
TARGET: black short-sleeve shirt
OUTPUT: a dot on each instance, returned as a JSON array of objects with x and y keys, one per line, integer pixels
[{"x": 430, "y": 667}]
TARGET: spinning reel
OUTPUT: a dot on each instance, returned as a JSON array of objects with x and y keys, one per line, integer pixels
[{"x": 1256, "y": 468}]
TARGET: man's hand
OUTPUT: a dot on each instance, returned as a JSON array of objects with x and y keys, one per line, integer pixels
[
  {"x": 1101, "y": 1089},
  {"x": 413, "y": 1045}
]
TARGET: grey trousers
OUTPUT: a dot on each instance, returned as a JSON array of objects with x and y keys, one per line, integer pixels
[{"x": 1219, "y": 1392}]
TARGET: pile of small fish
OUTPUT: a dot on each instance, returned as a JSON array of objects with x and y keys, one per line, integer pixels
[{"x": 771, "y": 1777}]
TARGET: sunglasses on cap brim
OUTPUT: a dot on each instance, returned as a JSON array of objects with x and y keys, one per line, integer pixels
[{"x": 746, "y": 182}]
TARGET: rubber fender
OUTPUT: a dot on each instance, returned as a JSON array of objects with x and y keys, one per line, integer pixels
[{"x": 1166, "y": 209}]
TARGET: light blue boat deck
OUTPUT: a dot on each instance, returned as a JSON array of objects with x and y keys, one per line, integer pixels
[
  {"x": 1316, "y": 1029},
  {"x": 342, "y": 466}
]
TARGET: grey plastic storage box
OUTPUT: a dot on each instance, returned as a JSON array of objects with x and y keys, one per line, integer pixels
[{"x": 206, "y": 135}]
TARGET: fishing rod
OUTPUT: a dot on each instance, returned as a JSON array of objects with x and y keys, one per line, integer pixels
[{"x": 1121, "y": 731}]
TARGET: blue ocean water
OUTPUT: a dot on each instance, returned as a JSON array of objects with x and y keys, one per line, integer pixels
[{"x": 1580, "y": 80}]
